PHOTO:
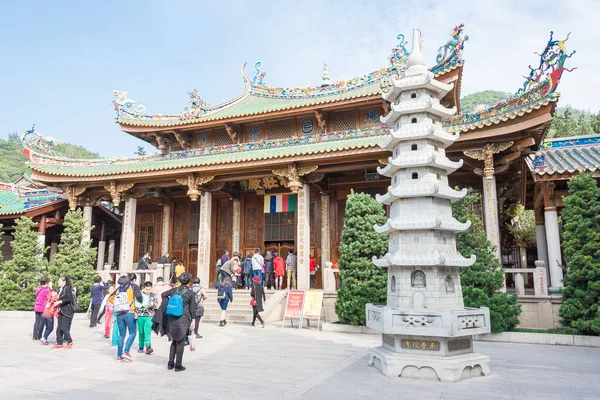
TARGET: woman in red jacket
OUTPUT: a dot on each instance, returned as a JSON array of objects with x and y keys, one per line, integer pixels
[{"x": 279, "y": 269}]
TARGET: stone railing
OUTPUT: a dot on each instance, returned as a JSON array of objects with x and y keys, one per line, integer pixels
[
  {"x": 154, "y": 272},
  {"x": 540, "y": 286}
]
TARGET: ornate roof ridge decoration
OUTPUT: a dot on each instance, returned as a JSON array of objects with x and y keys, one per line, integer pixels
[
  {"x": 35, "y": 158},
  {"x": 571, "y": 141},
  {"x": 566, "y": 156},
  {"x": 450, "y": 58},
  {"x": 539, "y": 89},
  {"x": 18, "y": 199}
]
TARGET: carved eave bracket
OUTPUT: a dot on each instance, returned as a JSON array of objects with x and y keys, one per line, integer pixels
[
  {"x": 193, "y": 182},
  {"x": 320, "y": 116},
  {"x": 116, "y": 191},
  {"x": 73, "y": 193},
  {"x": 163, "y": 143},
  {"x": 233, "y": 131},
  {"x": 182, "y": 139},
  {"x": 487, "y": 156},
  {"x": 293, "y": 174}
]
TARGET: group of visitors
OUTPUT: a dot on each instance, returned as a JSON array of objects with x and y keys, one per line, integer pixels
[{"x": 50, "y": 305}]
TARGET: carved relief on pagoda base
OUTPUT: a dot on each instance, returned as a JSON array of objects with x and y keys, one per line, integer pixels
[{"x": 193, "y": 182}]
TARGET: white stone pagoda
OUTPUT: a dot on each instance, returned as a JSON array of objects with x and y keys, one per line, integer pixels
[{"x": 426, "y": 330}]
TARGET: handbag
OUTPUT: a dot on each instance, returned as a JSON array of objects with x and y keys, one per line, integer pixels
[{"x": 253, "y": 300}]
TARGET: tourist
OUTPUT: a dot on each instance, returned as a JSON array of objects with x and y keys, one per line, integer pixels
[
  {"x": 268, "y": 274},
  {"x": 279, "y": 269},
  {"x": 65, "y": 312},
  {"x": 96, "y": 291},
  {"x": 41, "y": 295},
  {"x": 313, "y": 271},
  {"x": 160, "y": 288},
  {"x": 145, "y": 312},
  {"x": 230, "y": 268},
  {"x": 49, "y": 314},
  {"x": 177, "y": 327},
  {"x": 225, "y": 257},
  {"x": 258, "y": 296},
  {"x": 218, "y": 273},
  {"x": 247, "y": 271},
  {"x": 122, "y": 300},
  {"x": 144, "y": 264},
  {"x": 258, "y": 263},
  {"x": 179, "y": 269},
  {"x": 199, "y": 296},
  {"x": 290, "y": 268},
  {"x": 224, "y": 296},
  {"x": 172, "y": 271},
  {"x": 107, "y": 309},
  {"x": 164, "y": 259}
]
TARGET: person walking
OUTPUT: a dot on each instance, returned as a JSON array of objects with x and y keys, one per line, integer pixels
[
  {"x": 122, "y": 300},
  {"x": 160, "y": 287},
  {"x": 247, "y": 271},
  {"x": 50, "y": 313},
  {"x": 65, "y": 312},
  {"x": 224, "y": 296},
  {"x": 41, "y": 297},
  {"x": 96, "y": 291},
  {"x": 199, "y": 297},
  {"x": 145, "y": 311},
  {"x": 179, "y": 269},
  {"x": 179, "y": 300},
  {"x": 258, "y": 263},
  {"x": 107, "y": 310},
  {"x": 269, "y": 270},
  {"x": 313, "y": 271},
  {"x": 258, "y": 296},
  {"x": 290, "y": 269},
  {"x": 230, "y": 268},
  {"x": 279, "y": 269},
  {"x": 144, "y": 264}
]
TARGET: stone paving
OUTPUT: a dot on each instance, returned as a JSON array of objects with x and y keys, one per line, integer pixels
[{"x": 241, "y": 362}]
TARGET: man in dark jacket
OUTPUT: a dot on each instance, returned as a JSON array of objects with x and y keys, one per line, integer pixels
[{"x": 144, "y": 263}]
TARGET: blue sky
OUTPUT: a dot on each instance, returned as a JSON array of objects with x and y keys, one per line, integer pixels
[{"x": 62, "y": 60}]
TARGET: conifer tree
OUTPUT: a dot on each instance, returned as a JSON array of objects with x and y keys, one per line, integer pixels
[
  {"x": 75, "y": 257},
  {"x": 361, "y": 282},
  {"x": 21, "y": 274},
  {"x": 595, "y": 122},
  {"x": 481, "y": 282},
  {"x": 581, "y": 244},
  {"x": 583, "y": 125}
]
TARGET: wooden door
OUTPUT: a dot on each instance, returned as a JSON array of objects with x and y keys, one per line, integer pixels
[
  {"x": 180, "y": 230},
  {"x": 223, "y": 223}
]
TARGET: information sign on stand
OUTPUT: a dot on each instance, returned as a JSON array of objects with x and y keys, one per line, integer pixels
[
  {"x": 294, "y": 306},
  {"x": 313, "y": 306}
]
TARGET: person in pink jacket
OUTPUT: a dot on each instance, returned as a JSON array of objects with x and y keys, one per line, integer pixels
[{"x": 41, "y": 294}]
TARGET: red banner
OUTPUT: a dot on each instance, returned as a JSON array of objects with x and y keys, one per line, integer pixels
[{"x": 294, "y": 304}]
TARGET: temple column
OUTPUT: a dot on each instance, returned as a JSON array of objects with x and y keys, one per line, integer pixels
[
  {"x": 101, "y": 248},
  {"x": 111, "y": 252},
  {"x": 204, "y": 238},
  {"x": 87, "y": 217},
  {"x": 53, "y": 250},
  {"x": 325, "y": 246},
  {"x": 540, "y": 238},
  {"x": 128, "y": 234},
  {"x": 166, "y": 222},
  {"x": 303, "y": 237},
  {"x": 42, "y": 234},
  {"x": 235, "y": 241},
  {"x": 552, "y": 238}
]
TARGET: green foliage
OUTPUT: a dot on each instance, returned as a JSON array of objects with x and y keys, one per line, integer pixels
[
  {"x": 581, "y": 245},
  {"x": 140, "y": 151},
  {"x": 481, "y": 281},
  {"x": 75, "y": 257},
  {"x": 522, "y": 226},
  {"x": 21, "y": 274},
  {"x": 361, "y": 282},
  {"x": 13, "y": 159},
  {"x": 484, "y": 99}
]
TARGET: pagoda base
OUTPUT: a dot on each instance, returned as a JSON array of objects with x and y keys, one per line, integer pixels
[{"x": 454, "y": 368}]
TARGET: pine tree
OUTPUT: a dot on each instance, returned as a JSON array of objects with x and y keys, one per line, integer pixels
[
  {"x": 581, "y": 245},
  {"x": 21, "y": 274},
  {"x": 361, "y": 282},
  {"x": 583, "y": 125},
  {"x": 481, "y": 281},
  {"x": 595, "y": 122},
  {"x": 75, "y": 257},
  {"x": 140, "y": 151}
]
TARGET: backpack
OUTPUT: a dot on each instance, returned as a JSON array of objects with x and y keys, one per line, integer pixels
[
  {"x": 121, "y": 304},
  {"x": 175, "y": 304},
  {"x": 74, "y": 301}
]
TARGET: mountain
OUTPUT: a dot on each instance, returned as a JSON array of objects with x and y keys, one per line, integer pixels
[
  {"x": 481, "y": 100},
  {"x": 13, "y": 159}
]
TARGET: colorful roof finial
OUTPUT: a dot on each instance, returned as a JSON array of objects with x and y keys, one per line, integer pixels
[
  {"x": 399, "y": 54},
  {"x": 32, "y": 140},
  {"x": 451, "y": 52},
  {"x": 325, "y": 78},
  {"x": 197, "y": 106},
  {"x": 551, "y": 67},
  {"x": 259, "y": 76},
  {"x": 126, "y": 107}
]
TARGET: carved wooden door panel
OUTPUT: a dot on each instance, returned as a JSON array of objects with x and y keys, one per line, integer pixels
[
  {"x": 179, "y": 233},
  {"x": 148, "y": 234},
  {"x": 223, "y": 222}
]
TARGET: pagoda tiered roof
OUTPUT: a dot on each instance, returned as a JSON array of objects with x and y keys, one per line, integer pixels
[
  {"x": 423, "y": 222},
  {"x": 420, "y": 159}
]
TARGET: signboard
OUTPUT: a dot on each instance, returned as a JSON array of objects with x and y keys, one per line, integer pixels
[
  {"x": 420, "y": 345},
  {"x": 313, "y": 306},
  {"x": 294, "y": 305}
]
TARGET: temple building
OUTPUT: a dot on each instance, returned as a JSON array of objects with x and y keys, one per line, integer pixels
[{"x": 272, "y": 167}]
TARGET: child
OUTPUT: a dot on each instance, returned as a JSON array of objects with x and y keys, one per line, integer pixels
[
  {"x": 107, "y": 309},
  {"x": 96, "y": 292},
  {"x": 145, "y": 312},
  {"x": 160, "y": 287}
]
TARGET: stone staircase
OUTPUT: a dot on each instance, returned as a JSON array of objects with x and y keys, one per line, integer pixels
[{"x": 238, "y": 311}]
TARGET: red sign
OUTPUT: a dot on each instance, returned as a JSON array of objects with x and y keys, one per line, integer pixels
[{"x": 294, "y": 304}]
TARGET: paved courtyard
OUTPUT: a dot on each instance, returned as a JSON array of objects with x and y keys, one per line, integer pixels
[{"x": 240, "y": 362}]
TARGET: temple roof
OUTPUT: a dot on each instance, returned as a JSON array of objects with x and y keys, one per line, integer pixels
[
  {"x": 566, "y": 156},
  {"x": 15, "y": 200},
  {"x": 235, "y": 153}
]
